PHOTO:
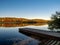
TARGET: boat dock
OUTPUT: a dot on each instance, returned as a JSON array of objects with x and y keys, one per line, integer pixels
[{"x": 47, "y": 37}]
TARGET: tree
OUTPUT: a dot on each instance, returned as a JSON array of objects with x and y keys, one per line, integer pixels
[{"x": 55, "y": 21}]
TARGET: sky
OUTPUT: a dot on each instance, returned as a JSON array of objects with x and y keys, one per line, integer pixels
[{"x": 31, "y": 9}]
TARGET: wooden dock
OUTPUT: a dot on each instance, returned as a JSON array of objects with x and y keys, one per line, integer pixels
[{"x": 47, "y": 37}]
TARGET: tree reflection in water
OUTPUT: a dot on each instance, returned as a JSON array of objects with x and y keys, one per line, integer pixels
[{"x": 21, "y": 24}]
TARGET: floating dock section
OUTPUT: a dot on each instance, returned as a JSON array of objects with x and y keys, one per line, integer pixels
[{"x": 47, "y": 37}]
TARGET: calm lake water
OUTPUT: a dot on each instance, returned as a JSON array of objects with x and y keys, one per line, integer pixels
[{"x": 12, "y": 36}]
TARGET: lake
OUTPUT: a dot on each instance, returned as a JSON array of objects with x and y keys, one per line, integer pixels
[{"x": 12, "y": 36}]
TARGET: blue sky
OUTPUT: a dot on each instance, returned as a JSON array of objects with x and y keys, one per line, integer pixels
[{"x": 29, "y": 8}]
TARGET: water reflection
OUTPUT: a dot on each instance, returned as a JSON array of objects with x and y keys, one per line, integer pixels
[
  {"x": 21, "y": 24},
  {"x": 12, "y": 36}
]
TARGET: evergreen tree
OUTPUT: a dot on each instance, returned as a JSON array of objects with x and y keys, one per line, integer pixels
[{"x": 55, "y": 21}]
